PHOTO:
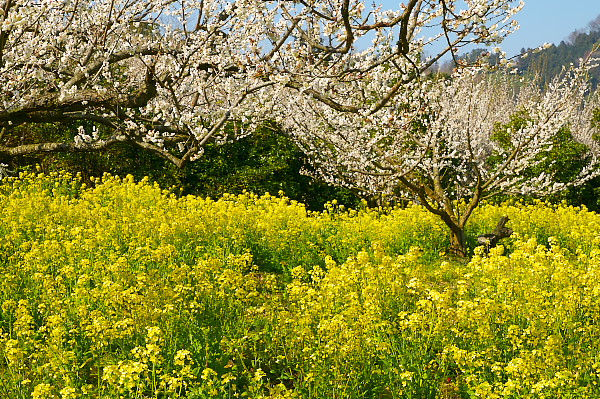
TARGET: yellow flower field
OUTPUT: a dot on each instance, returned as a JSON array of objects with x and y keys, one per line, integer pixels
[{"x": 123, "y": 290}]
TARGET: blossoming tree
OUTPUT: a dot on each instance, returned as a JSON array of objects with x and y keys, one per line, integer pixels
[
  {"x": 166, "y": 75},
  {"x": 172, "y": 75},
  {"x": 449, "y": 144}
]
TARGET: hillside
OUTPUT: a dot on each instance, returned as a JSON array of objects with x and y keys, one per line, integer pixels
[{"x": 550, "y": 61}]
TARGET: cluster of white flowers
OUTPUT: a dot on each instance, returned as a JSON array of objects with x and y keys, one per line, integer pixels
[
  {"x": 341, "y": 75},
  {"x": 473, "y": 132},
  {"x": 82, "y": 138}
]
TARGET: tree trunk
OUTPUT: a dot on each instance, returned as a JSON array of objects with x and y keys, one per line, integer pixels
[{"x": 458, "y": 241}]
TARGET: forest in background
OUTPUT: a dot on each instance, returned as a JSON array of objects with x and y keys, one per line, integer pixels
[
  {"x": 545, "y": 62},
  {"x": 550, "y": 61}
]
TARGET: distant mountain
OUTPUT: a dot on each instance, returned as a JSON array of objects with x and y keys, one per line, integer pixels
[{"x": 550, "y": 61}]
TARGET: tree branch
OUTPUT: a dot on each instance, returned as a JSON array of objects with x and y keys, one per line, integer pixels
[
  {"x": 27, "y": 149},
  {"x": 56, "y": 106}
]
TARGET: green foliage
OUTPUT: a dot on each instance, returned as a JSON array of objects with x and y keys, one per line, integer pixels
[
  {"x": 265, "y": 161},
  {"x": 503, "y": 132},
  {"x": 564, "y": 159},
  {"x": 596, "y": 124},
  {"x": 480, "y": 54}
]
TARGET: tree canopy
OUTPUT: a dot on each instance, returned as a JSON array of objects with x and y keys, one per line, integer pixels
[{"x": 172, "y": 76}]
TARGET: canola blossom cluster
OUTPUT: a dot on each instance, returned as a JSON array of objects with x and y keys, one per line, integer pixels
[{"x": 123, "y": 290}]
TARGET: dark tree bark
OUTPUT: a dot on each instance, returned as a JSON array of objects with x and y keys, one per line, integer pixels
[
  {"x": 458, "y": 242},
  {"x": 490, "y": 240}
]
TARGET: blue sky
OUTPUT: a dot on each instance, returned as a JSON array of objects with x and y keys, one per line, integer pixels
[{"x": 543, "y": 21}]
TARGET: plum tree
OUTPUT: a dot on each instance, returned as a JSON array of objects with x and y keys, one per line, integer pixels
[{"x": 170, "y": 76}]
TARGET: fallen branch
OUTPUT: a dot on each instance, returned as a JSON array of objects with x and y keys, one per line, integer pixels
[{"x": 490, "y": 240}]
